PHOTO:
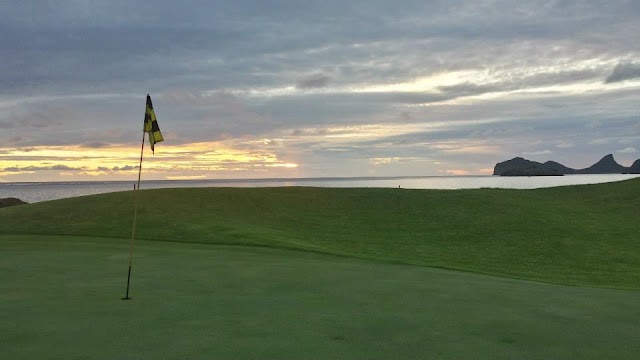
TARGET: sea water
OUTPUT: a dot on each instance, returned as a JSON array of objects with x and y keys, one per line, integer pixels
[{"x": 44, "y": 191}]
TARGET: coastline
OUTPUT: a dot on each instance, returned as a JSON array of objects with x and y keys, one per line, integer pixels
[{"x": 32, "y": 192}]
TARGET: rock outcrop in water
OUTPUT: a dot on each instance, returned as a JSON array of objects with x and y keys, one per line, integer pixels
[
  {"x": 10, "y": 202},
  {"x": 522, "y": 167}
]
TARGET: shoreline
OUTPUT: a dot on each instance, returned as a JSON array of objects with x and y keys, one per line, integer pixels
[{"x": 33, "y": 192}]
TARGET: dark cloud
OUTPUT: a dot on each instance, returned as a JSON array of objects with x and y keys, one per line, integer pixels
[
  {"x": 14, "y": 141},
  {"x": 95, "y": 145},
  {"x": 39, "y": 118},
  {"x": 124, "y": 168},
  {"x": 42, "y": 168},
  {"x": 312, "y": 132},
  {"x": 313, "y": 81},
  {"x": 467, "y": 89},
  {"x": 624, "y": 71}
]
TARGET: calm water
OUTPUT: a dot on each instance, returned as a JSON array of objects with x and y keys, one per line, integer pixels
[{"x": 36, "y": 192}]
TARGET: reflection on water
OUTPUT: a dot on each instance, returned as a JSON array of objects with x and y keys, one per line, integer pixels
[{"x": 36, "y": 192}]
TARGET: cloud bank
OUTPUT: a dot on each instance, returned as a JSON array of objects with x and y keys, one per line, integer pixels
[{"x": 334, "y": 88}]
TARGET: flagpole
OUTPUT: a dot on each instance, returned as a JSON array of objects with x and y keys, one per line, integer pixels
[{"x": 135, "y": 218}]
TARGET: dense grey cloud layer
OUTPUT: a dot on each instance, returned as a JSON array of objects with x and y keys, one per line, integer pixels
[
  {"x": 624, "y": 72},
  {"x": 339, "y": 85}
]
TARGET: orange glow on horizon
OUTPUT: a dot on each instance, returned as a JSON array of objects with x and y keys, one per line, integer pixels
[{"x": 184, "y": 161}]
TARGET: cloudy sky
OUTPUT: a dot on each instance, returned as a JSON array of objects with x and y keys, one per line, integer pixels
[{"x": 257, "y": 88}]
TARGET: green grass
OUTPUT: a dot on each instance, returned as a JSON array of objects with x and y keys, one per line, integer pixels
[
  {"x": 579, "y": 235},
  {"x": 253, "y": 274},
  {"x": 60, "y": 299}
]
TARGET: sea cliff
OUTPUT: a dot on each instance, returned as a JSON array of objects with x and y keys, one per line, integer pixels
[{"x": 522, "y": 167}]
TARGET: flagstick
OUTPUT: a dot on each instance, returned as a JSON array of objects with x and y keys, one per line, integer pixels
[{"x": 135, "y": 218}]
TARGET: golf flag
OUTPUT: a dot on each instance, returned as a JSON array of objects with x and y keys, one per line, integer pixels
[{"x": 151, "y": 125}]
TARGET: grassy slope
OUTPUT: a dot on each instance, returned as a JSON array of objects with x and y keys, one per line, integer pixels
[
  {"x": 582, "y": 235},
  {"x": 60, "y": 300}
]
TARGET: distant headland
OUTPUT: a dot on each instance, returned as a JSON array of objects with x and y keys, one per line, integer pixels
[{"x": 522, "y": 167}]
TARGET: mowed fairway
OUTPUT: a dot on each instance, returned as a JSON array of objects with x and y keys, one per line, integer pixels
[{"x": 325, "y": 273}]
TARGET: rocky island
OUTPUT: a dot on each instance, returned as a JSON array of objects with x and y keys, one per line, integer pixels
[{"x": 522, "y": 167}]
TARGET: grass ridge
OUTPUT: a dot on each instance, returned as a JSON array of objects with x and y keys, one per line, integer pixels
[{"x": 577, "y": 235}]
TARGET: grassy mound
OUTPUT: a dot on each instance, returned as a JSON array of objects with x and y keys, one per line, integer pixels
[{"x": 580, "y": 235}]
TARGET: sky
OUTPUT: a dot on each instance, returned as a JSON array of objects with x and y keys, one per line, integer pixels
[{"x": 287, "y": 89}]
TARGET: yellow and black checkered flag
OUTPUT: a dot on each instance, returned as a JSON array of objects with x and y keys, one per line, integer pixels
[{"x": 151, "y": 124}]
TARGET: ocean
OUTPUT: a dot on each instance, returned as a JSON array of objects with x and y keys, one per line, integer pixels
[{"x": 44, "y": 191}]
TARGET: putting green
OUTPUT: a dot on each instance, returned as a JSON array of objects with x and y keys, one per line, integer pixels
[{"x": 60, "y": 299}]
